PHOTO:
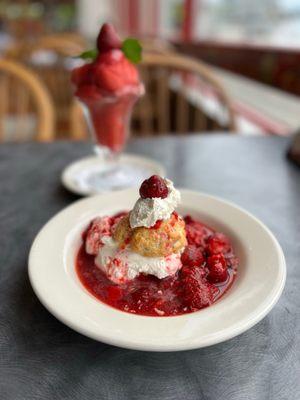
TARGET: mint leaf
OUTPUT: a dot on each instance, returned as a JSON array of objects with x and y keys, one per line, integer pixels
[
  {"x": 132, "y": 50},
  {"x": 89, "y": 54}
]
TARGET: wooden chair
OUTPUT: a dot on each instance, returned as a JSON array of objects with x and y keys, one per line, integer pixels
[
  {"x": 23, "y": 97},
  {"x": 65, "y": 44},
  {"x": 181, "y": 93},
  {"x": 156, "y": 45},
  {"x": 60, "y": 48},
  {"x": 176, "y": 86},
  {"x": 78, "y": 125}
]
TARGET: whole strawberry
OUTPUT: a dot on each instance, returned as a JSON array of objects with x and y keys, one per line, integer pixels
[
  {"x": 108, "y": 39},
  {"x": 153, "y": 187}
]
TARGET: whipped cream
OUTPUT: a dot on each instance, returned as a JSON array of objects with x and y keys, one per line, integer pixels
[
  {"x": 146, "y": 212},
  {"x": 121, "y": 265}
]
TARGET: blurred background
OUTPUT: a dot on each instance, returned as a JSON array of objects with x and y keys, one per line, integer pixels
[{"x": 250, "y": 48}]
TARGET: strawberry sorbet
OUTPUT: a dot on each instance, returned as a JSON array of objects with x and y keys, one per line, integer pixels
[{"x": 108, "y": 87}]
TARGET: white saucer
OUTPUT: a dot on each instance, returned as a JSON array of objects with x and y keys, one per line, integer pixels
[
  {"x": 259, "y": 283},
  {"x": 74, "y": 175}
]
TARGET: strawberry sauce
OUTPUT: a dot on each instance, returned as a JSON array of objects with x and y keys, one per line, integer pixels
[{"x": 209, "y": 269}]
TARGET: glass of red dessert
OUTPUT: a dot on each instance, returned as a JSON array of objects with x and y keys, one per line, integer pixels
[{"x": 107, "y": 88}]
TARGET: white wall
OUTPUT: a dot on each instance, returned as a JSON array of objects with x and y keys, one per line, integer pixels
[{"x": 91, "y": 14}]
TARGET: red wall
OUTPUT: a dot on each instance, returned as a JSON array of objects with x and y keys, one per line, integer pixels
[{"x": 276, "y": 67}]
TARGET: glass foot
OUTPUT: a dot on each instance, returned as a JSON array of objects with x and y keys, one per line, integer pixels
[{"x": 102, "y": 178}]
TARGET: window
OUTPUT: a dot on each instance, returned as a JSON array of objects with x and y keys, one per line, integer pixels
[{"x": 265, "y": 22}]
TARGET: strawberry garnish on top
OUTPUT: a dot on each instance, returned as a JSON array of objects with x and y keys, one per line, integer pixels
[
  {"x": 112, "y": 68},
  {"x": 108, "y": 39},
  {"x": 153, "y": 187}
]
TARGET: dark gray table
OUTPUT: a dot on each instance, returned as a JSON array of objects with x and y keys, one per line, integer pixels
[{"x": 40, "y": 358}]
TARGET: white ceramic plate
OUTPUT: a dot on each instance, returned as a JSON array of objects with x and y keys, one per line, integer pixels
[
  {"x": 74, "y": 176},
  {"x": 259, "y": 283}
]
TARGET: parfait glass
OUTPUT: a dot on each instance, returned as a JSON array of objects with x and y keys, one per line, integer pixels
[{"x": 108, "y": 119}]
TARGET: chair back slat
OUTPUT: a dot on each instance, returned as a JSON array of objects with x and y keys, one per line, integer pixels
[
  {"x": 3, "y": 103},
  {"x": 182, "y": 110},
  {"x": 200, "y": 121},
  {"x": 143, "y": 110},
  {"x": 163, "y": 103}
]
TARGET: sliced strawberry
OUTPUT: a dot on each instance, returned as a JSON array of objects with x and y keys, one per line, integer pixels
[
  {"x": 217, "y": 269},
  {"x": 192, "y": 256},
  {"x": 197, "y": 233},
  {"x": 197, "y": 292},
  {"x": 218, "y": 243}
]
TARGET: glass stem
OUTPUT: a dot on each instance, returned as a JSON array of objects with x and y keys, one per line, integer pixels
[{"x": 110, "y": 158}]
